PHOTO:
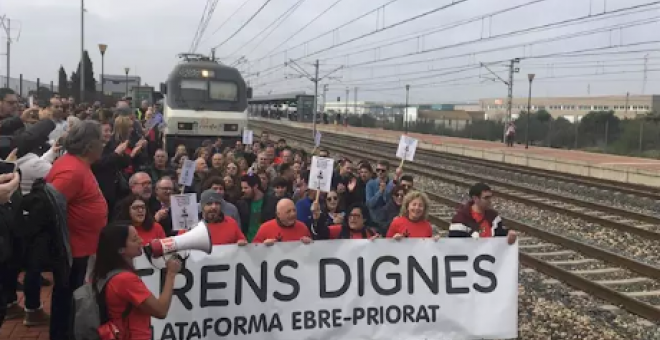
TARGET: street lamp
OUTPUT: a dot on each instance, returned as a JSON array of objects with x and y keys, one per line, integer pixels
[
  {"x": 529, "y": 109},
  {"x": 126, "y": 70},
  {"x": 102, "y": 49},
  {"x": 405, "y": 116}
]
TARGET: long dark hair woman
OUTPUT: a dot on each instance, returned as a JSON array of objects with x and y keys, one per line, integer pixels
[
  {"x": 136, "y": 210},
  {"x": 356, "y": 225},
  {"x": 118, "y": 245}
]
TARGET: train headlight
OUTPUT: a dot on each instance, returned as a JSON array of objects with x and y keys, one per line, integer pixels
[{"x": 231, "y": 127}]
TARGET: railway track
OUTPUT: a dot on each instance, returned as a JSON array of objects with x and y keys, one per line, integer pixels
[
  {"x": 619, "y": 280},
  {"x": 628, "y": 221}
]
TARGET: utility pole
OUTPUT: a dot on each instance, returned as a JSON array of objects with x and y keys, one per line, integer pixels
[
  {"x": 347, "y": 93},
  {"x": 81, "y": 76},
  {"x": 325, "y": 92},
  {"x": 7, "y": 28},
  {"x": 646, "y": 63},
  {"x": 355, "y": 100},
  {"x": 512, "y": 69},
  {"x": 316, "y": 97},
  {"x": 315, "y": 79},
  {"x": 213, "y": 54},
  {"x": 405, "y": 116},
  {"x": 509, "y": 83}
]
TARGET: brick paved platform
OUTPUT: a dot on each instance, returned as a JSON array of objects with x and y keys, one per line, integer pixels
[
  {"x": 14, "y": 329},
  {"x": 618, "y": 168}
]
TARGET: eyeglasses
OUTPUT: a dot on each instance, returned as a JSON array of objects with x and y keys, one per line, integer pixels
[
  {"x": 138, "y": 207},
  {"x": 166, "y": 189},
  {"x": 144, "y": 184}
]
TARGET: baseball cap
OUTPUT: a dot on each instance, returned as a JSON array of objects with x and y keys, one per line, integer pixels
[{"x": 210, "y": 196}]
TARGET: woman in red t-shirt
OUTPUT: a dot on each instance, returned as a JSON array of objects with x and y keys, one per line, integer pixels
[
  {"x": 413, "y": 220},
  {"x": 135, "y": 209},
  {"x": 118, "y": 245}
]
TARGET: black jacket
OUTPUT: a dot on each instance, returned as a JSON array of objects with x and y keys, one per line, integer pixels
[
  {"x": 48, "y": 230},
  {"x": 463, "y": 224},
  {"x": 107, "y": 171}
]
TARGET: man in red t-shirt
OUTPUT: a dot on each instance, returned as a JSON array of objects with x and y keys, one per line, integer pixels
[
  {"x": 284, "y": 228},
  {"x": 223, "y": 229},
  {"x": 87, "y": 214}
]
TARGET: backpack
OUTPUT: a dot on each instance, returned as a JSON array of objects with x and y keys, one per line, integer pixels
[{"x": 91, "y": 313}]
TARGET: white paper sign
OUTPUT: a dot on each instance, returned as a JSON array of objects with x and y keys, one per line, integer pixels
[
  {"x": 187, "y": 173},
  {"x": 248, "y": 135},
  {"x": 407, "y": 148},
  {"x": 320, "y": 176},
  {"x": 31, "y": 101},
  {"x": 317, "y": 139},
  {"x": 412, "y": 289},
  {"x": 185, "y": 213}
]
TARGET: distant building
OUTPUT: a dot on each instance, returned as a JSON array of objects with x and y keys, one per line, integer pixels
[
  {"x": 451, "y": 119},
  {"x": 115, "y": 85},
  {"x": 573, "y": 108},
  {"x": 28, "y": 85}
]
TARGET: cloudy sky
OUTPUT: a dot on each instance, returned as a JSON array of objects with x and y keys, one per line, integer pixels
[{"x": 575, "y": 47}]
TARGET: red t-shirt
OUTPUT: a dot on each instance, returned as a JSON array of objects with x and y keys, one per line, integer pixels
[
  {"x": 407, "y": 228},
  {"x": 272, "y": 230},
  {"x": 155, "y": 233},
  {"x": 225, "y": 232},
  {"x": 87, "y": 210},
  {"x": 485, "y": 229},
  {"x": 335, "y": 230},
  {"x": 122, "y": 290}
]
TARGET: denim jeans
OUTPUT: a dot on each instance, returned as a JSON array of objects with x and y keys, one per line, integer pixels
[{"x": 62, "y": 299}]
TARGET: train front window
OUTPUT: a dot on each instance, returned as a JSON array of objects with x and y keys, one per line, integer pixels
[
  {"x": 222, "y": 90},
  {"x": 203, "y": 90}
]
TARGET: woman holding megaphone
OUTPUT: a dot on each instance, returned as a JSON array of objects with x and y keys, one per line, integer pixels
[{"x": 130, "y": 304}]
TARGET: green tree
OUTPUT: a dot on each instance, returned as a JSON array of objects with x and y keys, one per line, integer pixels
[
  {"x": 63, "y": 83},
  {"x": 595, "y": 126},
  {"x": 90, "y": 82}
]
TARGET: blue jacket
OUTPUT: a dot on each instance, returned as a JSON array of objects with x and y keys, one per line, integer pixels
[
  {"x": 304, "y": 210},
  {"x": 377, "y": 200}
]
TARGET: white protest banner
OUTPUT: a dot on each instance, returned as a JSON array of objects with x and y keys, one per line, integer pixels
[
  {"x": 407, "y": 148},
  {"x": 317, "y": 139},
  {"x": 412, "y": 289},
  {"x": 187, "y": 173},
  {"x": 320, "y": 176},
  {"x": 248, "y": 135},
  {"x": 185, "y": 213}
]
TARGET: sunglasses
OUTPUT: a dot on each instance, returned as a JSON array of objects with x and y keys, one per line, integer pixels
[
  {"x": 332, "y": 198},
  {"x": 380, "y": 170}
]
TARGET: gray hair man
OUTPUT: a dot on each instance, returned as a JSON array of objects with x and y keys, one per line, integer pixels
[{"x": 141, "y": 185}]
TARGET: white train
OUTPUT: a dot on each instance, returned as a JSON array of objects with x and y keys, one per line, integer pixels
[{"x": 204, "y": 100}]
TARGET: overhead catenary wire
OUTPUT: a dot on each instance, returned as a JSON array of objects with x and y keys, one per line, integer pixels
[
  {"x": 199, "y": 25},
  {"x": 281, "y": 19},
  {"x": 305, "y": 26},
  {"x": 562, "y": 23},
  {"x": 396, "y": 24},
  {"x": 362, "y": 16},
  {"x": 568, "y": 22},
  {"x": 232, "y": 15},
  {"x": 244, "y": 24}
]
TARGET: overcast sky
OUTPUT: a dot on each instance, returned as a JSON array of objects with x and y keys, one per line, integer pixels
[{"x": 438, "y": 54}]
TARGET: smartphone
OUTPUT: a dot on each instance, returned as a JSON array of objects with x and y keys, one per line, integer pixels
[{"x": 7, "y": 167}]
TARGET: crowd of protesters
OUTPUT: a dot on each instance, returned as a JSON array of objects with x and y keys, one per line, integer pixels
[{"x": 110, "y": 171}]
